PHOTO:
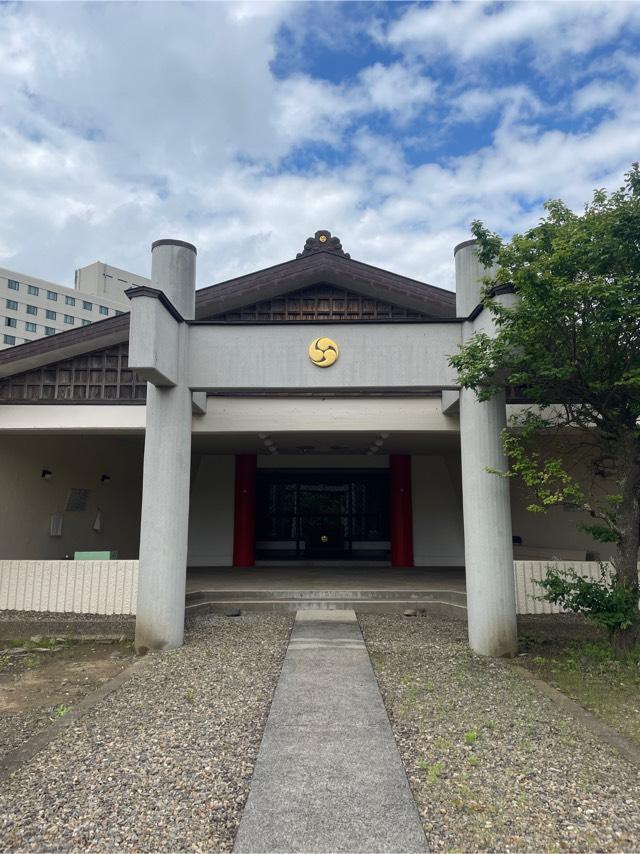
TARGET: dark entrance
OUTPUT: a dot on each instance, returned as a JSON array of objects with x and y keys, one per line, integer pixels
[{"x": 336, "y": 514}]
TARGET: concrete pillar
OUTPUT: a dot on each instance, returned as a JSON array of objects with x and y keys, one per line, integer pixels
[
  {"x": 491, "y": 604},
  {"x": 167, "y": 455},
  {"x": 469, "y": 276},
  {"x": 491, "y": 598},
  {"x": 173, "y": 271}
]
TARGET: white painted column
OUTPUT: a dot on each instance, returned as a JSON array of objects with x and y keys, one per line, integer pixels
[
  {"x": 491, "y": 603},
  {"x": 167, "y": 454}
]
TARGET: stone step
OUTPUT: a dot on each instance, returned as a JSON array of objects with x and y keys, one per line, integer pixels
[
  {"x": 381, "y": 595},
  {"x": 447, "y": 602}
]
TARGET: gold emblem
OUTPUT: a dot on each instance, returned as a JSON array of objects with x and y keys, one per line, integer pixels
[
  {"x": 323, "y": 238},
  {"x": 323, "y": 352}
]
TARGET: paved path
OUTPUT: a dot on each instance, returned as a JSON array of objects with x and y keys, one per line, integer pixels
[{"x": 328, "y": 775}]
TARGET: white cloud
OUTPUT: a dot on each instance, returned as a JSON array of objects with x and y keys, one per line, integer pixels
[
  {"x": 396, "y": 89},
  {"x": 485, "y": 30},
  {"x": 125, "y": 123},
  {"x": 475, "y": 104}
]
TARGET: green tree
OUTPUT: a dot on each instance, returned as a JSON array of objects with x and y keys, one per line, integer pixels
[{"x": 571, "y": 346}]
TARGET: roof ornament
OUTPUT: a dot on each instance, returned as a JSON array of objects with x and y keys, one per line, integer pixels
[{"x": 322, "y": 241}]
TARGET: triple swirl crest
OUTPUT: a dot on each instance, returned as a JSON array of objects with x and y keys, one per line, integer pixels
[{"x": 323, "y": 352}]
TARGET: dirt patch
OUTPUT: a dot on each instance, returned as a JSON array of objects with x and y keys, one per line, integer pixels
[
  {"x": 19, "y": 624},
  {"x": 42, "y": 678}
]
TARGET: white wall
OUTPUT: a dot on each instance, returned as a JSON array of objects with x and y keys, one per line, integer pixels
[
  {"x": 69, "y": 586},
  {"x": 438, "y": 538},
  {"x": 27, "y": 501},
  {"x": 71, "y": 419},
  {"x": 558, "y": 529},
  {"x": 211, "y": 511}
]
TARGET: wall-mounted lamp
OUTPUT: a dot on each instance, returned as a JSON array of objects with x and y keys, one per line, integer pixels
[
  {"x": 46, "y": 474},
  {"x": 104, "y": 478}
]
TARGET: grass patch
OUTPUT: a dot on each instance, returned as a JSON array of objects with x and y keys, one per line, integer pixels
[
  {"x": 59, "y": 712},
  {"x": 587, "y": 671}
]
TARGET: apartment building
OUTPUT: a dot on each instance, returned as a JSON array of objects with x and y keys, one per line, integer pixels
[{"x": 31, "y": 308}]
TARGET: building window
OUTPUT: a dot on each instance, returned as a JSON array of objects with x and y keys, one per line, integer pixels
[
  {"x": 87, "y": 306},
  {"x": 12, "y": 304},
  {"x": 32, "y": 309},
  {"x": 30, "y": 327},
  {"x": 118, "y": 313},
  {"x": 70, "y": 300},
  {"x": 69, "y": 319},
  {"x": 49, "y": 330},
  {"x": 10, "y": 321},
  {"x": 51, "y": 315},
  {"x": 33, "y": 290},
  {"x": 86, "y": 322},
  {"x": 13, "y": 285},
  {"x": 52, "y": 295},
  {"x": 9, "y": 339},
  {"x": 104, "y": 309}
]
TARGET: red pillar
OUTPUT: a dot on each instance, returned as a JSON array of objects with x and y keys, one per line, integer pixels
[
  {"x": 244, "y": 528},
  {"x": 401, "y": 510}
]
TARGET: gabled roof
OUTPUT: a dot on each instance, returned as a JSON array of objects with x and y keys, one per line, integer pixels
[{"x": 322, "y": 260}]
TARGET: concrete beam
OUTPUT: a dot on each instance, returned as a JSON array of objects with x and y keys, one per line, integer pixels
[
  {"x": 450, "y": 402},
  {"x": 199, "y": 402},
  {"x": 153, "y": 343},
  {"x": 372, "y": 357}
]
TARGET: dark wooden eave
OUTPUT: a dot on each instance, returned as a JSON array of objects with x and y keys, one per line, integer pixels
[
  {"x": 324, "y": 267},
  {"x": 64, "y": 345}
]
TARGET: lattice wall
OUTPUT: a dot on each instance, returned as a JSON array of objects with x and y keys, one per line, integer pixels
[
  {"x": 321, "y": 302},
  {"x": 103, "y": 375}
]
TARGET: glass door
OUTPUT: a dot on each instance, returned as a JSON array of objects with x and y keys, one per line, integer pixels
[{"x": 315, "y": 514}]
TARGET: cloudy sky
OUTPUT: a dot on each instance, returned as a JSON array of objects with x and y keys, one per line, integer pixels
[{"x": 245, "y": 127}]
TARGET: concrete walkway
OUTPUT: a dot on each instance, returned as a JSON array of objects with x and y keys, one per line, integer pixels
[{"x": 328, "y": 777}]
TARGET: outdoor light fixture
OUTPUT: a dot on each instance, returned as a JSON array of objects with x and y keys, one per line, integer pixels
[
  {"x": 46, "y": 474},
  {"x": 104, "y": 478}
]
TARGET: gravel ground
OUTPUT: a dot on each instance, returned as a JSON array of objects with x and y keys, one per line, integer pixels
[
  {"x": 17, "y": 727},
  {"x": 162, "y": 764},
  {"x": 493, "y": 764}
]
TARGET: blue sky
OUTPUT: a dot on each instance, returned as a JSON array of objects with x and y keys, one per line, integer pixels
[{"x": 245, "y": 127}]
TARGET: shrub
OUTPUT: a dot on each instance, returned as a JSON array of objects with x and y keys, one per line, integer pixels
[{"x": 605, "y": 602}]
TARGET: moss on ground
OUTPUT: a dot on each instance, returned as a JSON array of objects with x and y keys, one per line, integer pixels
[{"x": 587, "y": 671}]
